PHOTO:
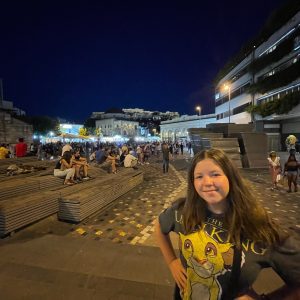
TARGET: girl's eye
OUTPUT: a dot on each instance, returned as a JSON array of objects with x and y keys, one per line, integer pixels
[
  {"x": 216, "y": 174},
  {"x": 199, "y": 176}
]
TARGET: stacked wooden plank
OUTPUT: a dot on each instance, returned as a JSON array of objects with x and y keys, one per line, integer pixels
[
  {"x": 26, "y": 200},
  {"x": 76, "y": 207},
  {"x": 24, "y": 186},
  {"x": 20, "y": 211}
]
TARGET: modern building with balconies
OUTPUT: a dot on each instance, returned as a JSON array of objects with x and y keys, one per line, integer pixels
[{"x": 262, "y": 84}]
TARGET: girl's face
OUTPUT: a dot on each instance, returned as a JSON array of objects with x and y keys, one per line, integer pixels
[{"x": 212, "y": 185}]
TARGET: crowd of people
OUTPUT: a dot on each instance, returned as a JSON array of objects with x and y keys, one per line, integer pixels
[{"x": 73, "y": 163}]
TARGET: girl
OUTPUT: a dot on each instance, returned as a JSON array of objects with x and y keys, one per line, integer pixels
[
  {"x": 291, "y": 169},
  {"x": 275, "y": 168},
  {"x": 65, "y": 168},
  {"x": 225, "y": 236}
]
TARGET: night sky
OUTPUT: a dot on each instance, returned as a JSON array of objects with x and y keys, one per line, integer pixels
[{"x": 69, "y": 58}]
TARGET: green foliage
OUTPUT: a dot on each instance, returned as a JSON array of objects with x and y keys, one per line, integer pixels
[
  {"x": 41, "y": 124},
  {"x": 90, "y": 125},
  {"x": 277, "y": 80},
  {"x": 283, "y": 49},
  {"x": 83, "y": 131},
  {"x": 277, "y": 106}
]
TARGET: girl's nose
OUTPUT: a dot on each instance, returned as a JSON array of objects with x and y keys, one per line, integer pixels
[{"x": 207, "y": 180}]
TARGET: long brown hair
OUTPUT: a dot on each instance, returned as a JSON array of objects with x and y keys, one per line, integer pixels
[{"x": 245, "y": 216}]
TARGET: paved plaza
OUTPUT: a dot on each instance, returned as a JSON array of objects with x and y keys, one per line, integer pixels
[{"x": 113, "y": 254}]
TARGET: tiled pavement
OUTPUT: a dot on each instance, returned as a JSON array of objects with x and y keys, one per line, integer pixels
[
  {"x": 57, "y": 260},
  {"x": 130, "y": 219}
]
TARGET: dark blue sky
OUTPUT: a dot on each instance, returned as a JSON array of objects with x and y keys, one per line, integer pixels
[{"x": 70, "y": 58}]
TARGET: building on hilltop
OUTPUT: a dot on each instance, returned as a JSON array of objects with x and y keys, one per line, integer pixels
[
  {"x": 134, "y": 114},
  {"x": 117, "y": 126},
  {"x": 264, "y": 86},
  {"x": 131, "y": 121}
]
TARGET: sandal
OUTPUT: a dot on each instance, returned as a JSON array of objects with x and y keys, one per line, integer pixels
[{"x": 68, "y": 183}]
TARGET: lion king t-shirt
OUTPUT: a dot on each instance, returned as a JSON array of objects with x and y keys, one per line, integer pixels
[{"x": 207, "y": 255}]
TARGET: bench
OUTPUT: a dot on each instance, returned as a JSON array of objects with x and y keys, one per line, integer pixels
[{"x": 27, "y": 200}]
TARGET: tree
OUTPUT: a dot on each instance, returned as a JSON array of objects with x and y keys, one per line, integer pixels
[
  {"x": 90, "y": 125},
  {"x": 41, "y": 124},
  {"x": 83, "y": 131}
]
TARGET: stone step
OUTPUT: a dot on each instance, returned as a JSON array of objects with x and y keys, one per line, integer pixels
[{"x": 82, "y": 268}]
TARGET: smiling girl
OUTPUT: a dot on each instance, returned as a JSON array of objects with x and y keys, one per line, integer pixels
[{"x": 225, "y": 236}]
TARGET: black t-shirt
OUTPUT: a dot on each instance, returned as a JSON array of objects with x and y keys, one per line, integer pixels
[
  {"x": 58, "y": 165},
  {"x": 208, "y": 257}
]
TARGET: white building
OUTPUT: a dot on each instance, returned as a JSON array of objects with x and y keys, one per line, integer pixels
[
  {"x": 268, "y": 74},
  {"x": 135, "y": 113},
  {"x": 177, "y": 128},
  {"x": 117, "y": 126}
]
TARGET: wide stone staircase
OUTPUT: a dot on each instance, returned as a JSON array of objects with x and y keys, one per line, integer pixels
[
  {"x": 202, "y": 138},
  {"x": 59, "y": 267}
]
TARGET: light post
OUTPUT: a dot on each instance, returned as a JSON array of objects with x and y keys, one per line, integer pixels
[
  {"x": 198, "y": 108},
  {"x": 227, "y": 87}
]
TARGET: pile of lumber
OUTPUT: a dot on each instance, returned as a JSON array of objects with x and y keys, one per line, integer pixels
[{"x": 76, "y": 207}]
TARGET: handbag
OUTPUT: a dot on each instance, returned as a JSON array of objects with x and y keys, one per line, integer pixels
[{"x": 278, "y": 177}]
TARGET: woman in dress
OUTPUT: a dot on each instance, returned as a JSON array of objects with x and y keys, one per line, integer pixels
[{"x": 275, "y": 168}]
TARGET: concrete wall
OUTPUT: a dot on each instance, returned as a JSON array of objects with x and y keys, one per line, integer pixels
[{"x": 12, "y": 129}]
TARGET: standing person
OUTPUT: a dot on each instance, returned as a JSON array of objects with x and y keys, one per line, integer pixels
[
  {"x": 226, "y": 237},
  {"x": 181, "y": 148},
  {"x": 275, "y": 168},
  {"x": 291, "y": 169},
  {"x": 166, "y": 157},
  {"x": 21, "y": 148}
]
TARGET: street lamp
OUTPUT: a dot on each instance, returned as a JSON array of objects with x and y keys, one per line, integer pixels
[
  {"x": 198, "y": 108},
  {"x": 227, "y": 87}
]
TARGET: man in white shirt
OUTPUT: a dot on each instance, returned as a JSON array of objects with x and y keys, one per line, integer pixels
[{"x": 130, "y": 161}]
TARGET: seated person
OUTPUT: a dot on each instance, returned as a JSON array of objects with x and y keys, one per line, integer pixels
[
  {"x": 100, "y": 155},
  {"x": 81, "y": 165},
  {"x": 4, "y": 152},
  {"x": 64, "y": 168},
  {"x": 112, "y": 158},
  {"x": 130, "y": 160}
]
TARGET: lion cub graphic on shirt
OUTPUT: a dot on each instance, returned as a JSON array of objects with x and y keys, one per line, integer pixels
[{"x": 206, "y": 259}]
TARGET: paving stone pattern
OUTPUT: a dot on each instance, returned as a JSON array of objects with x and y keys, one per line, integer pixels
[{"x": 131, "y": 219}]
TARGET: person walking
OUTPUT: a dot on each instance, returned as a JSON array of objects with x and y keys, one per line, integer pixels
[
  {"x": 225, "y": 236},
  {"x": 166, "y": 157}
]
